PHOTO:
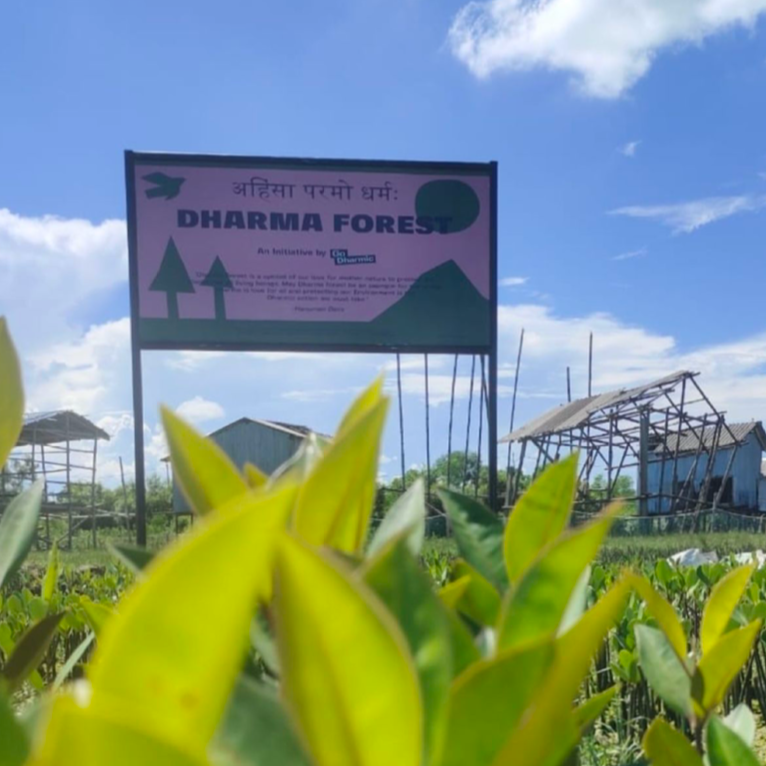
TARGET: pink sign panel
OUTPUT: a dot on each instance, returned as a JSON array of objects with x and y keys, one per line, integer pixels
[{"x": 263, "y": 253}]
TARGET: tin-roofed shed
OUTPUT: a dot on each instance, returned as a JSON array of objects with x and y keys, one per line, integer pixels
[
  {"x": 61, "y": 448},
  {"x": 266, "y": 444}
]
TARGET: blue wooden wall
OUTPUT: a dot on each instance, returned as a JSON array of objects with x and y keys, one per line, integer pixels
[{"x": 745, "y": 472}]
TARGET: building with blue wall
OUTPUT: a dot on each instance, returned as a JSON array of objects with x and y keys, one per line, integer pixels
[{"x": 735, "y": 479}]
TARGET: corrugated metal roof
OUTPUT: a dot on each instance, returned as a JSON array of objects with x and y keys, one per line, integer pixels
[
  {"x": 567, "y": 417},
  {"x": 58, "y": 426},
  {"x": 689, "y": 440}
]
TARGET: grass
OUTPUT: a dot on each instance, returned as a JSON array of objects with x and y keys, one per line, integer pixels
[
  {"x": 440, "y": 550},
  {"x": 631, "y": 549}
]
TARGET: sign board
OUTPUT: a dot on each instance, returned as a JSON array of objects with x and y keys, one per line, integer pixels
[{"x": 261, "y": 253}]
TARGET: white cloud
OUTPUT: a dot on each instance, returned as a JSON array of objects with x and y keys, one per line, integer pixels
[
  {"x": 732, "y": 373},
  {"x": 685, "y": 217},
  {"x": 629, "y": 149},
  {"x": 318, "y": 394},
  {"x": 200, "y": 410},
  {"x": 57, "y": 264},
  {"x": 513, "y": 281},
  {"x": 85, "y": 374},
  {"x": 631, "y": 254},
  {"x": 607, "y": 45}
]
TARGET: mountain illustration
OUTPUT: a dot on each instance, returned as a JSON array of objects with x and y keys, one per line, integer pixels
[
  {"x": 428, "y": 310},
  {"x": 441, "y": 310}
]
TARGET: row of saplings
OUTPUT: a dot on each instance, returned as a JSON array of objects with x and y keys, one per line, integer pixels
[{"x": 368, "y": 665}]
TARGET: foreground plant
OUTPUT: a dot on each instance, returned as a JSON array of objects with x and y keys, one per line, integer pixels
[{"x": 365, "y": 664}]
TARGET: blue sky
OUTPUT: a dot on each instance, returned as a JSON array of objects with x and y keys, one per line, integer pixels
[{"x": 629, "y": 136}]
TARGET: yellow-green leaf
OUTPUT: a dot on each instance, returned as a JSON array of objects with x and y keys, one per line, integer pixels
[
  {"x": 720, "y": 665},
  {"x": 174, "y": 649},
  {"x": 539, "y": 516},
  {"x": 368, "y": 400},
  {"x": 254, "y": 476},
  {"x": 480, "y": 602},
  {"x": 535, "y": 607},
  {"x": 88, "y": 736},
  {"x": 586, "y": 714},
  {"x": 335, "y": 502},
  {"x": 204, "y": 472},
  {"x": 548, "y": 732},
  {"x": 51, "y": 574},
  {"x": 11, "y": 394},
  {"x": 407, "y": 514},
  {"x": 406, "y": 591},
  {"x": 663, "y": 613},
  {"x": 348, "y": 676},
  {"x": 666, "y": 746},
  {"x": 96, "y": 614},
  {"x": 722, "y": 602},
  {"x": 488, "y": 700},
  {"x": 452, "y": 592}
]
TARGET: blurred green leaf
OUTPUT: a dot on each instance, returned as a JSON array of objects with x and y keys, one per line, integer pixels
[
  {"x": 96, "y": 614},
  {"x": 51, "y": 574},
  {"x": 263, "y": 642},
  {"x": 480, "y": 602},
  {"x": 135, "y": 559},
  {"x": 367, "y": 401},
  {"x": 76, "y": 736},
  {"x": 172, "y": 653},
  {"x": 464, "y": 650},
  {"x": 539, "y": 516},
  {"x": 452, "y": 592},
  {"x": 14, "y": 746},
  {"x": 663, "y": 669},
  {"x": 396, "y": 578},
  {"x": 721, "y": 664},
  {"x": 256, "y": 730},
  {"x": 335, "y": 501},
  {"x": 666, "y": 746},
  {"x": 254, "y": 476},
  {"x": 488, "y": 700},
  {"x": 206, "y": 475},
  {"x": 349, "y": 680},
  {"x": 30, "y": 650},
  {"x": 586, "y": 714},
  {"x": 721, "y": 604},
  {"x": 664, "y": 614},
  {"x": 578, "y": 601},
  {"x": 407, "y": 513},
  {"x": 18, "y": 526},
  {"x": 726, "y": 748},
  {"x": 742, "y": 721},
  {"x": 11, "y": 395},
  {"x": 479, "y": 535},
  {"x": 535, "y": 607},
  {"x": 71, "y": 662},
  {"x": 547, "y": 734},
  {"x": 37, "y": 608}
]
